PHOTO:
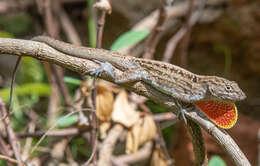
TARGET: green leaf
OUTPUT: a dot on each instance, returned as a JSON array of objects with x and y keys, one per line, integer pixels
[
  {"x": 18, "y": 24},
  {"x": 2, "y": 162},
  {"x": 91, "y": 24},
  {"x": 78, "y": 148},
  {"x": 71, "y": 80},
  {"x": 129, "y": 38},
  {"x": 40, "y": 89},
  {"x": 216, "y": 161},
  {"x": 30, "y": 71},
  {"x": 6, "y": 34},
  {"x": 225, "y": 49},
  {"x": 64, "y": 121}
]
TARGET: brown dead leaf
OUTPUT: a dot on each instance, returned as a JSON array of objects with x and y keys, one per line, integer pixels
[
  {"x": 144, "y": 130},
  {"x": 103, "y": 127},
  {"x": 59, "y": 149},
  {"x": 158, "y": 158},
  {"x": 105, "y": 102},
  {"x": 123, "y": 112}
]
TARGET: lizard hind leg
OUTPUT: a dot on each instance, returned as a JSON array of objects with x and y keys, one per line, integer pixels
[{"x": 132, "y": 75}]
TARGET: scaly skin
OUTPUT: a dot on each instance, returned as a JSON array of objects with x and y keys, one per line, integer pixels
[{"x": 172, "y": 80}]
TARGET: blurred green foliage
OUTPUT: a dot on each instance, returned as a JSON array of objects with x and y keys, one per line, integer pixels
[
  {"x": 216, "y": 161},
  {"x": 78, "y": 147},
  {"x": 73, "y": 81},
  {"x": 129, "y": 38},
  {"x": 91, "y": 24},
  {"x": 225, "y": 49},
  {"x": 29, "y": 71},
  {"x": 65, "y": 121},
  {"x": 17, "y": 25},
  {"x": 39, "y": 89},
  {"x": 6, "y": 34}
]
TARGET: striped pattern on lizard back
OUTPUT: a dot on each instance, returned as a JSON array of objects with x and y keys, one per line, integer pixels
[{"x": 172, "y": 80}]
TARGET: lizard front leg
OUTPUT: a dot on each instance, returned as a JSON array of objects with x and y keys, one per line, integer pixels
[{"x": 128, "y": 76}]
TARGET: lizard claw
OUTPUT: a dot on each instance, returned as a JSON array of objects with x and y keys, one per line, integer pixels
[
  {"x": 104, "y": 67},
  {"x": 181, "y": 113}
]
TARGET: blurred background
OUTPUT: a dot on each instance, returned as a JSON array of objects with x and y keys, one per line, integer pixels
[{"x": 213, "y": 37}]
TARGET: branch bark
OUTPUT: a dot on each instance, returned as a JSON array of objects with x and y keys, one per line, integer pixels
[
  {"x": 198, "y": 144},
  {"x": 15, "y": 144},
  {"x": 43, "y": 52},
  {"x": 106, "y": 150},
  {"x": 141, "y": 155}
]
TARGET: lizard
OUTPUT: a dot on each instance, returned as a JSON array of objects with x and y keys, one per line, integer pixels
[{"x": 214, "y": 96}]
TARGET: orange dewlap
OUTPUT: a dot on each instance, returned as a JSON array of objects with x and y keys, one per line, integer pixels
[{"x": 223, "y": 114}]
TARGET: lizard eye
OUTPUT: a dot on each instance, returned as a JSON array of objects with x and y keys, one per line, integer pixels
[{"x": 228, "y": 87}]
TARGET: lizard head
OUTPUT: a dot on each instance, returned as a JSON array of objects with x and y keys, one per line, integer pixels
[
  {"x": 223, "y": 89},
  {"x": 219, "y": 105}
]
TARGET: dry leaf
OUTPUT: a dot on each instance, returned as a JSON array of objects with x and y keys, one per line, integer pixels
[
  {"x": 123, "y": 112},
  {"x": 144, "y": 130},
  {"x": 103, "y": 127},
  {"x": 113, "y": 87},
  {"x": 59, "y": 149},
  {"x": 34, "y": 161},
  {"x": 105, "y": 102},
  {"x": 158, "y": 158}
]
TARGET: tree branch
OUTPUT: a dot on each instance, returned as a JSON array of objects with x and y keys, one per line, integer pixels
[
  {"x": 43, "y": 52},
  {"x": 140, "y": 155},
  {"x": 198, "y": 144},
  {"x": 107, "y": 148},
  {"x": 15, "y": 144}
]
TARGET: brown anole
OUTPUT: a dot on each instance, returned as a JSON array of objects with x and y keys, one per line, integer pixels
[{"x": 205, "y": 92}]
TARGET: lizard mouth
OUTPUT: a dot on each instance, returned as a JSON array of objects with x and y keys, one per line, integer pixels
[{"x": 221, "y": 113}]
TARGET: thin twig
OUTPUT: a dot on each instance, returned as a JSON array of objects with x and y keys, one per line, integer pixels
[
  {"x": 100, "y": 28},
  {"x": 141, "y": 155},
  {"x": 258, "y": 138},
  {"x": 94, "y": 124},
  {"x": 12, "y": 88},
  {"x": 52, "y": 127},
  {"x": 58, "y": 73},
  {"x": 174, "y": 13},
  {"x": 169, "y": 160},
  {"x": 186, "y": 38},
  {"x": 31, "y": 128},
  {"x": 52, "y": 29},
  {"x": 4, "y": 147},
  {"x": 15, "y": 144},
  {"x": 13, "y": 81},
  {"x": 68, "y": 27},
  {"x": 54, "y": 133},
  {"x": 158, "y": 28},
  {"x": 105, "y": 7},
  {"x": 9, "y": 159},
  {"x": 164, "y": 116},
  {"x": 172, "y": 43},
  {"x": 107, "y": 148},
  {"x": 162, "y": 142}
]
